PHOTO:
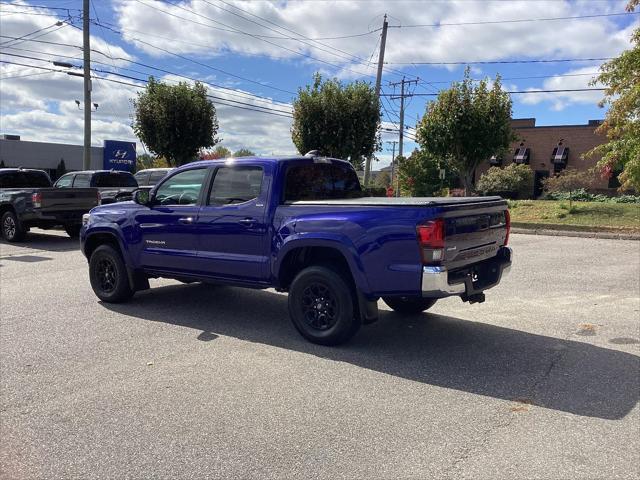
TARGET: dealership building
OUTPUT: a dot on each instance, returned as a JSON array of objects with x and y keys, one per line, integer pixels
[
  {"x": 549, "y": 149},
  {"x": 113, "y": 155}
]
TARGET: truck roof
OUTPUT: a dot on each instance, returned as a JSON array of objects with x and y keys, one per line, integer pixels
[{"x": 234, "y": 160}]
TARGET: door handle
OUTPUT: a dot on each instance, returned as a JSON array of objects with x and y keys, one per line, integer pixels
[
  {"x": 185, "y": 220},
  {"x": 247, "y": 222}
]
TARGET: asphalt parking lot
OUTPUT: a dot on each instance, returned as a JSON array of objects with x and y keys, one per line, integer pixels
[{"x": 193, "y": 381}]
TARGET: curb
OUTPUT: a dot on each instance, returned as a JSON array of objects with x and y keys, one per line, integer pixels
[{"x": 569, "y": 233}]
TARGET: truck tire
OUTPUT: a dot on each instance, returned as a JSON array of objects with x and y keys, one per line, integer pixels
[
  {"x": 409, "y": 305},
  {"x": 321, "y": 306},
  {"x": 12, "y": 231},
  {"x": 73, "y": 230},
  {"x": 108, "y": 275}
]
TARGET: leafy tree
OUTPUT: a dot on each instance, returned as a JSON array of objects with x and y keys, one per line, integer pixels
[
  {"x": 61, "y": 169},
  {"x": 2, "y": 164},
  {"x": 622, "y": 122},
  {"x": 243, "y": 152},
  {"x": 569, "y": 181},
  {"x": 338, "y": 120},
  {"x": 511, "y": 181},
  {"x": 145, "y": 161},
  {"x": 218, "y": 152},
  {"x": 467, "y": 124},
  {"x": 175, "y": 121},
  {"x": 420, "y": 175}
]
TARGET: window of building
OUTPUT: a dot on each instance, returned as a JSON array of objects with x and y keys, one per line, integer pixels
[
  {"x": 521, "y": 155},
  {"x": 235, "y": 185}
]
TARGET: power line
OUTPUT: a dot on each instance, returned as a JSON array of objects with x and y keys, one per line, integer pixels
[
  {"x": 168, "y": 71},
  {"x": 522, "y": 20},
  {"x": 516, "y": 92},
  {"x": 490, "y": 62},
  {"x": 531, "y": 77},
  {"x": 221, "y": 101}
]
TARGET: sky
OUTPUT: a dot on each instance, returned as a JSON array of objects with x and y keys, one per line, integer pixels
[{"x": 253, "y": 56}]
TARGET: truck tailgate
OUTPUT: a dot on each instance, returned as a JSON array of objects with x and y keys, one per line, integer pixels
[
  {"x": 473, "y": 234},
  {"x": 67, "y": 199}
]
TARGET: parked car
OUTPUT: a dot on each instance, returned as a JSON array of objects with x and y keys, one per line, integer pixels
[
  {"x": 151, "y": 176},
  {"x": 299, "y": 225},
  {"x": 113, "y": 185},
  {"x": 28, "y": 200}
]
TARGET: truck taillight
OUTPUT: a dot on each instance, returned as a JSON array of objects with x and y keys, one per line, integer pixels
[
  {"x": 507, "y": 222},
  {"x": 36, "y": 199},
  {"x": 431, "y": 240},
  {"x": 98, "y": 197}
]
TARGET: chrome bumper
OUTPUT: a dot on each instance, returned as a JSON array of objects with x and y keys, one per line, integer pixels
[{"x": 435, "y": 279}]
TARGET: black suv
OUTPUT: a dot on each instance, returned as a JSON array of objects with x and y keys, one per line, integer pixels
[{"x": 114, "y": 185}]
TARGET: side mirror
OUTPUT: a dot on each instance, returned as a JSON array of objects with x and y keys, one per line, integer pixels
[{"x": 142, "y": 197}]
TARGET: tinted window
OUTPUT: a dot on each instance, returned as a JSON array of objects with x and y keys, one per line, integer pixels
[
  {"x": 142, "y": 178},
  {"x": 181, "y": 189},
  {"x": 235, "y": 185},
  {"x": 65, "y": 180},
  {"x": 82, "y": 180},
  {"x": 24, "y": 179},
  {"x": 155, "y": 177},
  {"x": 321, "y": 181},
  {"x": 113, "y": 179}
]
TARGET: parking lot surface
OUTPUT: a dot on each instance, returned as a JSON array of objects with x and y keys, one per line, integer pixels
[{"x": 193, "y": 381}]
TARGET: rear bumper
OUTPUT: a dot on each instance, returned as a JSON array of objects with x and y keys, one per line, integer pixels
[
  {"x": 438, "y": 282},
  {"x": 37, "y": 218}
]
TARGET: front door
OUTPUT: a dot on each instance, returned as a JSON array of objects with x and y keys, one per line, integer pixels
[
  {"x": 168, "y": 228},
  {"x": 232, "y": 228},
  {"x": 538, "y": 186}
]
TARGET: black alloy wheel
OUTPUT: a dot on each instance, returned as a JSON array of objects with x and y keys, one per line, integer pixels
[
  {"x": 322, "y": 305},
  {"x": 108, "y": 275}
]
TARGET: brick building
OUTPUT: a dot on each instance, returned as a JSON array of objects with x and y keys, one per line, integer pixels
[{"x": 550, "y": 149}]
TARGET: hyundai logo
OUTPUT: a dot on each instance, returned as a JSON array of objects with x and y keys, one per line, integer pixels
[{"x": 120, "y": 154}]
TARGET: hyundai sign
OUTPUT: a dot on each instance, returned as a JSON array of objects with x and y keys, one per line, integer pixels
[{"x": 119, "y": 155}]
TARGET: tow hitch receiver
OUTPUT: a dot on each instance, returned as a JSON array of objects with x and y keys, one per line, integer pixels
[{"x": 475, "y": 298}]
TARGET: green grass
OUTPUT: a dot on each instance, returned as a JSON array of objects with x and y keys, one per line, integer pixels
[{"x": 593, "y": 216}]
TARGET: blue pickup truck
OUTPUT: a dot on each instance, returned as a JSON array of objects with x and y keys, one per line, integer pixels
[{"x": 300, "y": 225}]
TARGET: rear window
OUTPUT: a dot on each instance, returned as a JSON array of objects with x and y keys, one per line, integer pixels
[
  {"x": 155, "y": 177},
  {"x": 321, "y": 181},
  {"x": 114, "y": 180},
  {"x": 142, "y": 178},
  {"x": 24, "y": 179}
]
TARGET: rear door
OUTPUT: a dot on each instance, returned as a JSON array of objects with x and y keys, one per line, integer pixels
[
  {"x": 167, "y": 229},
  {"x": 232, "y": 230}
]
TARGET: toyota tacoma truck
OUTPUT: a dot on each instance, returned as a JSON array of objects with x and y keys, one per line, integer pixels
[
  {"x": 28, "y": 200},
  {"x": 299, "y": 225}
]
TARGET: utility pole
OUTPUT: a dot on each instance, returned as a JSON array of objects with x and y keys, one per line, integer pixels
[
  {"x": 86, "y": 157},
  {"x": 402, "y": 96},
  {"x": 383, "y": 43},
  {"x": 393, "y": 159}
]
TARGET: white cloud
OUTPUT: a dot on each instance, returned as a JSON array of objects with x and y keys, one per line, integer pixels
[{"x": 573, "y": 80}]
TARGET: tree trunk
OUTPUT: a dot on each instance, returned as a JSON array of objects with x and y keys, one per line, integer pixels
[{"x": 467, "y": 182}]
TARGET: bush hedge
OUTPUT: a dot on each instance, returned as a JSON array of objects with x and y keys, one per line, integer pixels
[
  {"x": 512, "y": 181},
  {"x": 582, "y": 195}
]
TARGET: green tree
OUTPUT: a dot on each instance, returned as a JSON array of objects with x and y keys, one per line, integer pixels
[
  {"x": 145, "y": 161},
  {"x": 2, "y": 164},
  {"x": 243, "y": 152},
  {"x": 467, "y": 124},
  {"x": 339, "y": 120},
  {"x": 175, "y": 121},
  {"x": 420, "y": 175},
  {"x": 511, "y": 181},
  {"x": 218, "y": 152},
  {"x": 622, "y": 122},
  {"x": 569, "y": 181},
  {"x": 61, "y": 169}
]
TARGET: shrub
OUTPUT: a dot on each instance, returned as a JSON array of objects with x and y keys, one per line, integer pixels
[
  {"x": 570, "y": 181},
  {"x": 513, "y": 181},
  {"x": 581, "y": 195}
]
